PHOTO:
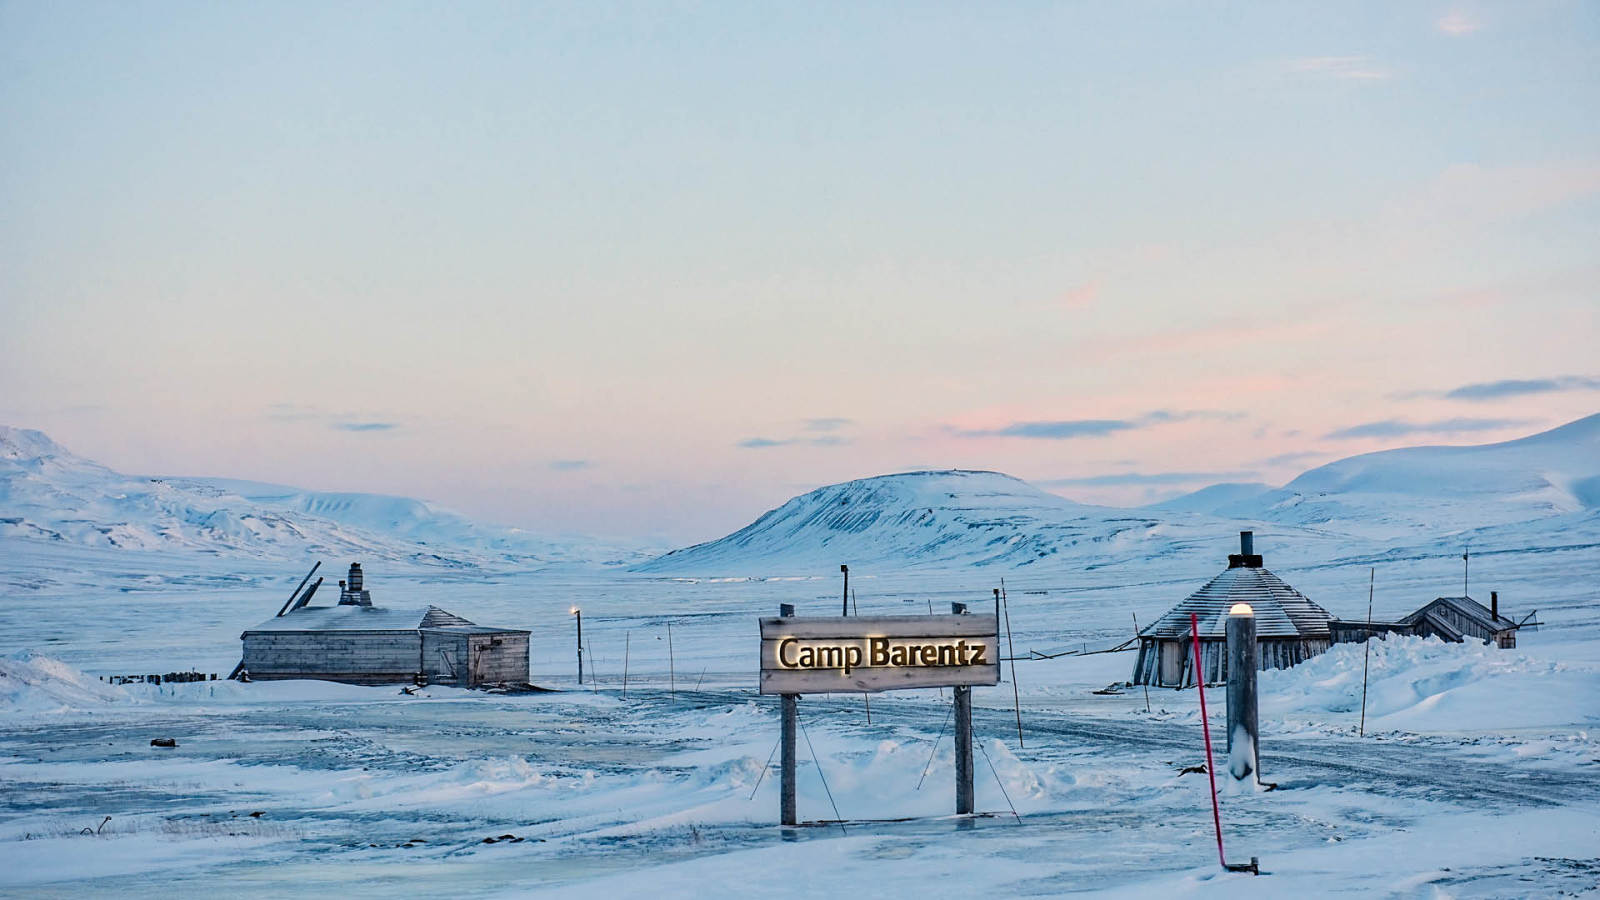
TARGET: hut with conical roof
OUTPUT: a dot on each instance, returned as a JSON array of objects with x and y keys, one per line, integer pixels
[{"x": 1289, "y": 627}]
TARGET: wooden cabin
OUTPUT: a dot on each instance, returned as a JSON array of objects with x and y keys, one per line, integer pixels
[
  {"x": 359, "y": 643},
  {"x": 1450, "y": 619},
  {"x": 1289, "y": 627}
]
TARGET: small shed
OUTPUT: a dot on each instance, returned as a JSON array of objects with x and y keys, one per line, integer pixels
[
  {"x": 359, "y": 643},
  {"x": 1289, "y": 627},
  {"x": 1451, "y": 619}
]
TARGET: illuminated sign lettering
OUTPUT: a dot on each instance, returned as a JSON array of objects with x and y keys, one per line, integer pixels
[{"x": 877, "y": 653}]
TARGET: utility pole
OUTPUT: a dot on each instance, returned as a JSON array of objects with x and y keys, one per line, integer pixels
[{"x": 846, "y": 570}]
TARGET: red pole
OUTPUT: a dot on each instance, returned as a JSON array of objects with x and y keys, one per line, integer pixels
[{"x": 1205, "y": 724}]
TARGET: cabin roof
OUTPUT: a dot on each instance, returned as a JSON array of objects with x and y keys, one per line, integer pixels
[
  {"x": 1280, "y": 610},
  {"x": 1467, "y": 608},
  {"x": 353, "y": 617}
]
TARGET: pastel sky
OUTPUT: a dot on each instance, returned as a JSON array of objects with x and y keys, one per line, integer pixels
[{"x": 652, "y": 269}]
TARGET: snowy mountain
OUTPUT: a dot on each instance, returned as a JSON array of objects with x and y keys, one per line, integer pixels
[
  {"x": 49, "y": 494},
  {"x": 1419, "y": 490},
  {"x": 949, "y": 518},
  {"x": 1210, "y": 499},
  {"x": 1539, "y": 491}
]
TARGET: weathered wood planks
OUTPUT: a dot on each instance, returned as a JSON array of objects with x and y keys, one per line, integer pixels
[{"x": 877, "y": 653}]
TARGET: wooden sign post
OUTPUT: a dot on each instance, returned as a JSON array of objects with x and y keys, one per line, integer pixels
[{"x": 878, "y": 653}]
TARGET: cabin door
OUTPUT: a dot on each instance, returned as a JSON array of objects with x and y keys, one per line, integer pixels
[
  {"x": 1171, "y": 663},
  {"x": 477, "y": 650}
]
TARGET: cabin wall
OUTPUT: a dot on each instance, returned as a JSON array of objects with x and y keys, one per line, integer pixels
[
  {"x": 1470, "y": 627},
  {"x": 357, "y": 657},
  {"x": 1357, "y": 632},
  {"x": 497, "y": 658},
  {"x": 1273, "y": 653}
]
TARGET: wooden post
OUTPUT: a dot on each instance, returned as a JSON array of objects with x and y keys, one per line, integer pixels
[
  {"x": 1011, "y": 649},
  {"x": 846, "y": 603},
  {"x": 627, "y": 644},
  {"x": 579, "y": 613},
  {"x": 1243, "y": 746},
  {"x": 789, "y": 703},
  {"x": 963, "y": 716},
  {"x": 672, "y": 666}
]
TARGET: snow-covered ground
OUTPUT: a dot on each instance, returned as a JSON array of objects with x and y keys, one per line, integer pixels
[{"x": 1479, "y": 773}]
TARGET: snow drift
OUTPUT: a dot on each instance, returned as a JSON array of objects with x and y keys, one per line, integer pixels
[{"x": 31, "y": 683}]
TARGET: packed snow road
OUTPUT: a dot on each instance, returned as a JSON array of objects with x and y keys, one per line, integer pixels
[{"x": 374, "y": 792}]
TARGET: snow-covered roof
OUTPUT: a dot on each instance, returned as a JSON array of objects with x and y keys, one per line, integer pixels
[
  {"x": 352, "y": 617},
  {"x": 1280, "y": 610}
]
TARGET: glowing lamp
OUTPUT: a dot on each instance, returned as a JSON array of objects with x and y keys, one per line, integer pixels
[{"x": 1241, "y": 609}]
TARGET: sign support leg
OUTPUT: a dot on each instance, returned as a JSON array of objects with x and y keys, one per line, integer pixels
[
  {"x": 964, "y": 792},
  {"x": 790, "y": 713},
  {"x": 790, "y": 704},
  {"x": 963, "y": 711}
]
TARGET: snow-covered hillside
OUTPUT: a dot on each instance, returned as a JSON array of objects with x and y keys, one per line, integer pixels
[
  {"x": 48, "y": 493},
  {"x": 1539, "y": 491},
  {"x": 1421, "y": 490},
  {"x": 919, "y": 519}
]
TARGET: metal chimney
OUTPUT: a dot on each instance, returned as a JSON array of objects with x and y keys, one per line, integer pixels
[
  {"x": 352, "y": 592},
  {"x": 1494, "y": 604},
  {"x": 1247, "y": 543}
]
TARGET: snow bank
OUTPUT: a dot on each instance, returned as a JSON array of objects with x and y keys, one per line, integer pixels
[
  {"x": 1425, "y": 685},
  {"x": 32, "y": 683}
]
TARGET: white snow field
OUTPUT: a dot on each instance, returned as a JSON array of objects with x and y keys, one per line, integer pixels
[{"x": 1478, "y": 774}]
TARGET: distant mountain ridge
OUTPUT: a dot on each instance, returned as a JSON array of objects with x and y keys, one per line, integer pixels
[
  {"x": 952, "y": 518},
  {"x": 1408, "y": 500},
  {"x": 48, "y": 493},
  {"x": 1411, "y": 489}
]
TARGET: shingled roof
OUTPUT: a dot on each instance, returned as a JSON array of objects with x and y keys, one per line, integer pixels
[{"x": 1280, "y": 610}]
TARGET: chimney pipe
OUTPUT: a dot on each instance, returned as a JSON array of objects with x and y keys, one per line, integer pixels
[
  {"x": 1247, "y": 543},
  {"x": 1494, "y": 604}
]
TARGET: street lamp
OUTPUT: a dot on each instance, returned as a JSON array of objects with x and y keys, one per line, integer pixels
[{"x": 579, "y": 614}]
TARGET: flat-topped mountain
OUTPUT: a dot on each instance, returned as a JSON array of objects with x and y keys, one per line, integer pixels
[{"x": 945, "y": 518}]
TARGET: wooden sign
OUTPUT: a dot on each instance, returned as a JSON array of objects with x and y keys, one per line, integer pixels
[{"x": 804, "y": 655}]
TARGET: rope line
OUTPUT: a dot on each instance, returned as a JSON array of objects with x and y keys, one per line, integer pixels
[
  {"x": 818, "y": 764},
  {"x": 765, "y": 767},
  {"x": 935, "y": 751},
  {"x": 1003, "y": 792}
]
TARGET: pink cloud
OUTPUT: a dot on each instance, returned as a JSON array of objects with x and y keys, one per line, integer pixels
[
  {"x": 1081, "y": 296},
  {"x": 1458, "y": 23}
]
